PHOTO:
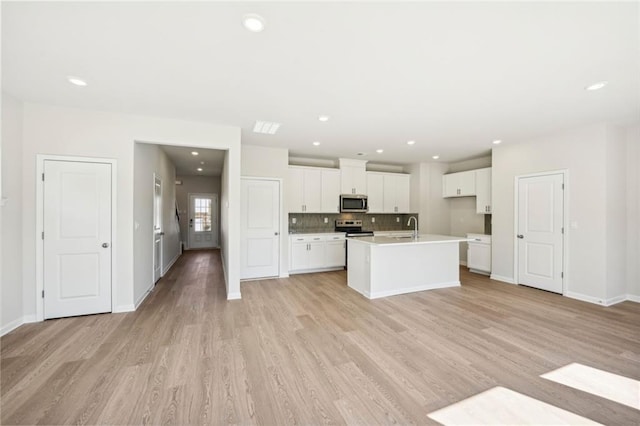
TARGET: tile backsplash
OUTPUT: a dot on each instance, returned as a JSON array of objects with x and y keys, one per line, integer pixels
[{"x": 314, "y": 222}]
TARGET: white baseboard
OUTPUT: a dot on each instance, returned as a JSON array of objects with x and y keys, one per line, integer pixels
[
  {"x": 174, "y": 260},
  {"x": 615, "y": 300},
  {"x": 503, "y": 279},
  {"x": 234, "y": 296},
  {"x": 395, "y": 292},
  {"x": 463, "y": 262},
  {"x": 585, "y": 298},
  {"x": 633, "y": 298},
  {"x": 284, "y": 275},
  {"x": 477, "y": 271},
  {"x": 311, "y": 271},
  {"x": 9, "y": 327},
  {"x": 123, "y": 308}
]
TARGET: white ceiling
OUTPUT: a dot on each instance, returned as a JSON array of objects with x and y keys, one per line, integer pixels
[
  {"x": 187, "y": 164},
  {"x": 452, "y": 76}
]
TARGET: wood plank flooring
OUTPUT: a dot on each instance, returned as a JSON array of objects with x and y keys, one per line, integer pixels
[{"x": 308, "y": 350}]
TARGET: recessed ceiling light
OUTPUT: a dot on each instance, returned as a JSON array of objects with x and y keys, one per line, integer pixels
[
  {"x": 316, "y": 143},
  {"x": 199, "y": 169},
  {"x": 266, "y": 127},
  {"x": 411, "y": 142},
  {"x": 323, "y": 118},
  {"x": 596, "y": 86},
  {"x": 253, "y": 22},
  {"x": 379, "y": 151},
  {"x": 77, "y": 81},
  {"x": 202, "y": 162},
  {"x": 435, "y": 157},
  {"x": 497, "y": 142},
  {"x": 194, "y": 153}
]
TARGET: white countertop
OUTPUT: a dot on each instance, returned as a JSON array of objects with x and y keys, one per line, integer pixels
[{"x": 420, "y": 239}]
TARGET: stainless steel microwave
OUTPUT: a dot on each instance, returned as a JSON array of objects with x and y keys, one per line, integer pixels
[{"x": 353, "y": 203}]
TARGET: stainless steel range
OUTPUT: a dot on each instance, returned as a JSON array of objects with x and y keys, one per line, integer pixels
[{"x": 353, "y": 228}]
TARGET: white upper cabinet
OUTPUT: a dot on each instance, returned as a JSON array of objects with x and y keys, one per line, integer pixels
[
  {"x": 313, "y": 190},
  {"x": 483, "y": 191},
  {"x": 462, "y": 184},
  {"x": 330, "y": 191},
  {"x": 375, "y": 192},
  {"x": 353, "y": 176},
  {"x": 388, "y": 192}
]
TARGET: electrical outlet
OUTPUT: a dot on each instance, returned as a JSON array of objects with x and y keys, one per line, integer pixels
[
  {"x": 373, "y": 220},
  {"x": 397, "y": 220},
  {"x": 293, "y": 220},
  {"x": 326, "y": 220}
]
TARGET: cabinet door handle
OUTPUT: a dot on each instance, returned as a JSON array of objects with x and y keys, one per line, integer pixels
[{"x": 520, "y": 236}]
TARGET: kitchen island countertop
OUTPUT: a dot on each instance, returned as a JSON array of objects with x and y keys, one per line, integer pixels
[{"x": 410, "y": 240}]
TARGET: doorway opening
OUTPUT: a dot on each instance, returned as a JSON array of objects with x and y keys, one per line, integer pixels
[{"x": 203, "y": 221}]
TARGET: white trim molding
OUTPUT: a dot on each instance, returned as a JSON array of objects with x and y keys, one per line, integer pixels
[
  {"x": 502, "y": 279},
  {"x": 633, "y": 298},
  {"x": 173, "y": 261},
  {"x": 12, "y": 325}
]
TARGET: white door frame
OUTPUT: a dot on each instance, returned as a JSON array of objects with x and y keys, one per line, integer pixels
[
  {"x": 153, "y": 240},
  {"x": 204, "y": 194},
  {"x": 565, "y": 224},
  {"x": 40, "y": 159}
]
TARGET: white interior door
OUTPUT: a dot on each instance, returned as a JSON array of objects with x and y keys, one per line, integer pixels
[
  {"x": 203, "y": 221},
  {"x": 77, "y": 238},
  {"x": 540, "y": 231},
  {"x": 260, "y": 228},
  {"x": 157, "y": 228}
]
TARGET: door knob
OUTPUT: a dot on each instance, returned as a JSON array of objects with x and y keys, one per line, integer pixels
[
  {"x": 105, "y": 245},
  {"x": 520, "y": 236},
  {"x": 276, "y": 233}
]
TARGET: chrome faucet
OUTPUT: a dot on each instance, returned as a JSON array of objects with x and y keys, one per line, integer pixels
[{"x": 415, "y": 226}]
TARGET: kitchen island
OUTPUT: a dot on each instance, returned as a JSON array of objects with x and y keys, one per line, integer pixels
[{"x": 386, "y": 266}]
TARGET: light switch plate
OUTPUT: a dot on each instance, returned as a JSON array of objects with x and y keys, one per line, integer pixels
[
  {"x": 397, "y": 220},
  {"x": 293, "y": 220},
  {"x": 373, "y": 220},
  {"x": 326, "y": 220}
]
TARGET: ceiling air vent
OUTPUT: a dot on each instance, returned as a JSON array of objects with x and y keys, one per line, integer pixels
[{"x": 266, "y": 127}]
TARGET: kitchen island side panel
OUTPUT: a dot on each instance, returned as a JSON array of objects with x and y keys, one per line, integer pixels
[
  {"x": 359, "y": 270},
  {"x": 399, "y": 269}
]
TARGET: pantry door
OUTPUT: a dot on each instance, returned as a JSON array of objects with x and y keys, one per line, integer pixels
[
  {"x": 540, "y": 231},
  {"x": 259, "y": 228},
  {"x": 77, "y": 252}
]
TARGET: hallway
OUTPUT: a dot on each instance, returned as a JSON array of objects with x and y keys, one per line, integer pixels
[{"x": 309, "y": 350}]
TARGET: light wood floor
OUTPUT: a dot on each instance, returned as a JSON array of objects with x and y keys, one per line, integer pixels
[{"x": 309, "y": 350}]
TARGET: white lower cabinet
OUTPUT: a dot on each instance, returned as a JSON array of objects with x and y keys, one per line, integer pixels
[
  {"x": 316, "y": 252},
  {"x": 479, "y": 253}
]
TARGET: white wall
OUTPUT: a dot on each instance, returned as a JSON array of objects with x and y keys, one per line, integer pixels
[
  {"x": 195, "y": 185},
  {"x": 11, "y": 216},
  {"x": 76, "y": 132},
  {"x": 583, "y": 153},
  {"x": 259, "y": 161},
  {"x": 473, "y": 164},
  {"x": 426, "y": 197},
  {"x": 633, "y": 212},
  {"x": 150, "y": 159},
  {"x": 616, "y": 225}
]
